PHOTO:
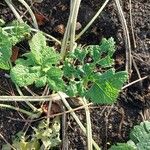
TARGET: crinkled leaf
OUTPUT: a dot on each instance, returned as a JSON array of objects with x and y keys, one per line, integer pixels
[
  {"x": 106, "y": 62},
  {"x": 141, "y": 133},
  {"x": 121, "y": 146},
  {"x": 5, "y": 50},
  {"x": 43, "y": 55},
  {"x": 41, "y": 81},
  {"x": 19, "y": 32},
  {"x": 72, "y": 89},
  {"x": 144, "y": 145},
  {"x": 54, "y": 79},
  {"x": 50, "y": 136},
  {"x": 95, "y": 52},
  {"x": 23, "y": 75},
  {"x": 106, "y": 87},
  {"x": 80, "y": 53},
  {"x": 107, "y": 46},
  {"x": 69, "y": 70},
  {"x": 37, "y": 45}
]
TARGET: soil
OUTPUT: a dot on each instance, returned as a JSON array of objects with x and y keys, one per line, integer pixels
[{"x": 110, "y": 124}]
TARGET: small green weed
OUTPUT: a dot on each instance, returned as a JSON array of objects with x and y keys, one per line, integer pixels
[
  {"x": 49, "y": 136},
  {"x": 86, "y": 72},
  {"x": 139, "y": 138}
]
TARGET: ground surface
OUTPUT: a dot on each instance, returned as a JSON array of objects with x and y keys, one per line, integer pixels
[{"x": 110, "y": 124}]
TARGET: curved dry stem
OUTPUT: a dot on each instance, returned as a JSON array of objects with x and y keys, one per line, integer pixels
[
  {"x": 30, "y": 12},
  {"x": 10, "y": 5},
  {"x": 92, "y": 20},
  {"x": 127, "y": 38}
]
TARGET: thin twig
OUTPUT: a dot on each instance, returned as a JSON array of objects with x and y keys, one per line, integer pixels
[
  {"x": 126, "y": 36},
  {"x": 131, "y": 23},
  {"x": 9, "y": 3},
  {"x": 92, "y": 20},
  {"x": 134, "y": 82},
  {"x": 77, "y": 119},
  {"x": 89, "y": 126},
  {"x": 53, "y": 97},
  {"x": 7, "y": 142},
  {"x": 30, "y": 12}
]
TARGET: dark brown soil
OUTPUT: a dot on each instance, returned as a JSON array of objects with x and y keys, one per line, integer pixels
[{"x": 110, "y": 124}]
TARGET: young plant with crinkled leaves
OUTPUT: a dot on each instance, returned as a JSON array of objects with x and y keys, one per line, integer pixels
[
  {"x": 8, "y": 38},
  {"x": 39, "y": 66},
  {"x": 90, "y": 73},
  {"x": 139, "y": 138},
  {"x": 44, "y": 137}
]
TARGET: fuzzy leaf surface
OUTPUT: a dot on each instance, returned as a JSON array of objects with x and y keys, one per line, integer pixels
[
  {"x": 106, "y": 87},
  {"x": 5, "y": 50}
]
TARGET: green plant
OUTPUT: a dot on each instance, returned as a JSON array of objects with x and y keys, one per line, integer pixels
[
  {"x": 8, "y": 39},
  {"x": 42, "y": 65},
  {"x": 39, "y": 66},
  {"x": 49, "y": 136},
  {"x": 139, "y": 138},
  {"x": 91, "y": 74},
  {"x": 86, "y": 72}
]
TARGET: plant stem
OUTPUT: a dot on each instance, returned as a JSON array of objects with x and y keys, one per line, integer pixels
[
  {"x": 76, "y": 118},
  {"x": 92, "y": 20},
  {"x": 89, "y": 127},
  {"x": 17, "y": 109},
  {"x": 30, "y": 11},
  {"x": 28, "y": 103},
  {"x": 9, "y": 3},
  {"x": 67, "y": 33},
  {"x": 53, "y": 97},
  {"x": 76, "y": 5},
  {"x": 126, "y": 37}
]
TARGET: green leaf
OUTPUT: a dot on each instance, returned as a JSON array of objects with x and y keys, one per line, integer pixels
[
  {"x": 42, "y": 54},
  {"x": 144, "y": 145},
  {"x": 80, "y": 53},
  {"x": 95, "y": 52},
  {"x": 37, "y": 45},
  {"x": 71, "y": 89},
  {"x": 23, "y": 75},
  {"x": 106, "y": 62},
  {"x": 41, "y": 81},
  {"x": 106, "y": 87},
  {"x": 54, "y": 79},
  {"x": 141, "y": 133},
  {"x": 107, "y": 46},
  {"x": 69, "y": 70},
  {"x": 19, "y": 32},
  {"x": 5, "y": 50},
  {"x": 121, "y": 146},
  {"x": 50, "y": 136}
]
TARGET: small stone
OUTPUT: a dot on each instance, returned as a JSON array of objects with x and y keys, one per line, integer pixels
[{"x": 78, "y": 26}]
